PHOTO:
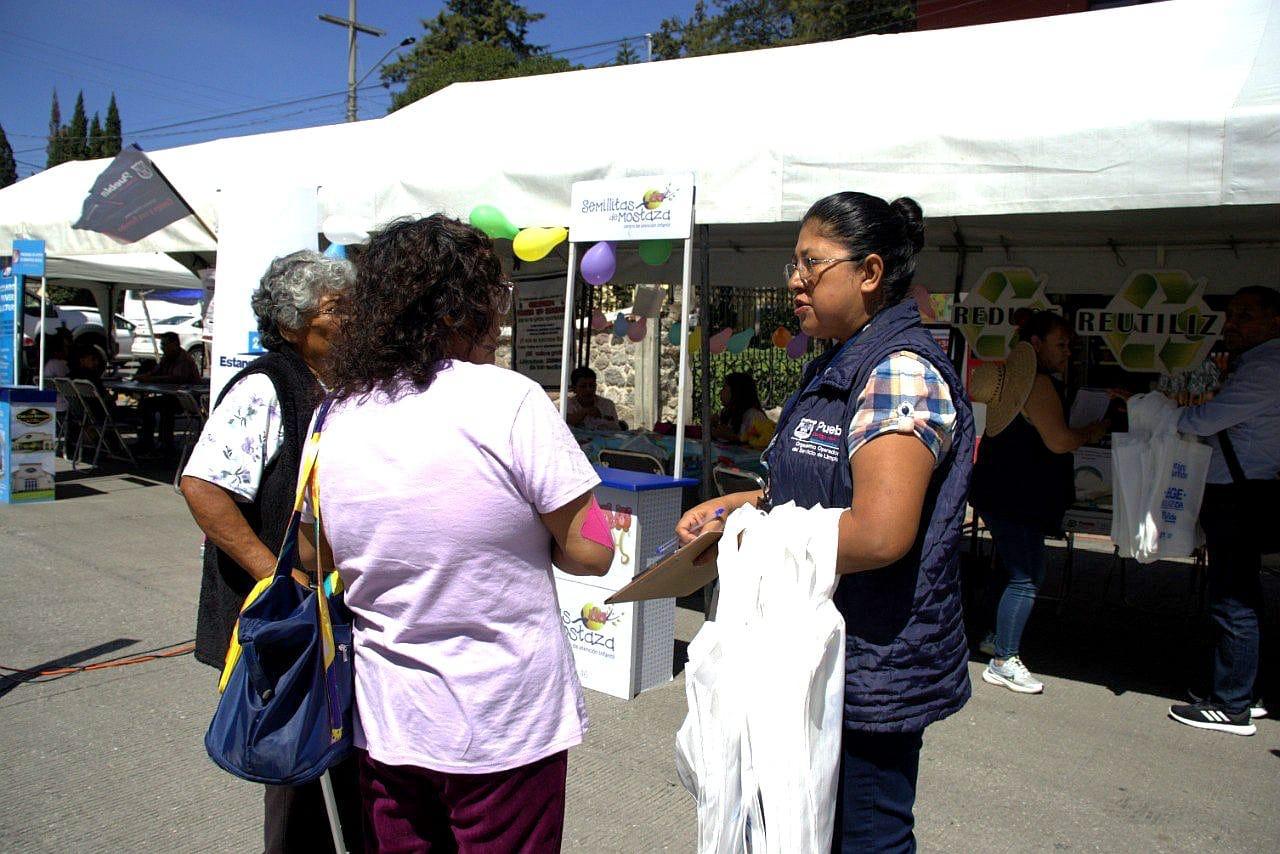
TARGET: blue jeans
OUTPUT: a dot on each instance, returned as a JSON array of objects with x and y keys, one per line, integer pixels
[
  {"x": 1235, "y": 601},
  {"x": 1020, "y": 546},
  {"x": 876, "y": 793}
]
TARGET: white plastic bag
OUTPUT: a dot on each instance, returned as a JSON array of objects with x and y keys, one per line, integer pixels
[
  {"x": 1159, "y": 483},
  {"x": 760, "y": 747}
]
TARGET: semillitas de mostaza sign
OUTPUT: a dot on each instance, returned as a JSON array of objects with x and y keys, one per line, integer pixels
[
  {"x": 1158, "y": 322},
  {"x": 985, "y": 316}
]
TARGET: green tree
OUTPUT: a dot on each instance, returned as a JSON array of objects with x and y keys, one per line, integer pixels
[
  {"x": 95, "y": 138},
  {"x": 8, "y": 166},
  {"x": 471, "y": 40},
  {"x": 626, "y": 55},
  {"x": 111, "y": 131},
  {"x": 474, "y": 62},
  {"x": 748, "y": 24},
  {"x": 78, "y": 132},
  {"x": 54, "y": 148}
]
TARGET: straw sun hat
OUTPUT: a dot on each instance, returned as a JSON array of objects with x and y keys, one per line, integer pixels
[{"x": 1004, "y": 386}]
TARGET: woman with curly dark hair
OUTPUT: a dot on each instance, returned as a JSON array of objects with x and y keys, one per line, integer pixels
[{"x": 448, "y": 486}]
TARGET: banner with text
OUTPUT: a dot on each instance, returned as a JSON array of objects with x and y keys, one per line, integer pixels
[
  {"x": 1158, "y": 322},
  {"x": 986, "y": 315},
  {"x": 130, "y": 199},
  {"x": 28, "y": 258},
  {"x": 647, "y": 208},
  {"x": 10, "y": 329},
  {"x": 539, "y": 332}
]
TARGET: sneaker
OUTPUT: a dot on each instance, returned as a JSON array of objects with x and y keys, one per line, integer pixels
[
  {"x": 1209, "y": 716},
  {"x": 1257, "y": 709},
  {"x": 988, "y": 645},
  {"x": 1012, "y": 674}
]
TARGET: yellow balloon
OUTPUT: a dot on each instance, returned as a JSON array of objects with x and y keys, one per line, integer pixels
[
  {"x": 695, "y": 339},
  {"x": 533, "y": 244}
]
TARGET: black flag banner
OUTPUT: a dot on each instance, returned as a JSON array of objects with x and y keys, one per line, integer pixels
[{"x": 131, "y": 199}]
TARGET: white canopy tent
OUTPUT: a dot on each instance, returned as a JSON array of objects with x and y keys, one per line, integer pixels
[{"x": 1164, "y": 105}]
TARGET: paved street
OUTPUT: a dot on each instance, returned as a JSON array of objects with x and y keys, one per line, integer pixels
[{"x": 113, "y": 760}]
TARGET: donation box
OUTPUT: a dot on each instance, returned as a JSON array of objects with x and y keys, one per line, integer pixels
[
  {"x": 28, "y": 433},
  {"x": 627, "y": 648}
]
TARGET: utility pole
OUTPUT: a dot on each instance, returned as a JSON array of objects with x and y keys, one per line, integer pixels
[
  {"x": 648, "y": 46},
  {"x": 352, "y": 26}
]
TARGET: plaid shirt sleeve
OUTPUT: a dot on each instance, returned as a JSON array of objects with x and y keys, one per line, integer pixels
[{"x": 907, "y": 395}]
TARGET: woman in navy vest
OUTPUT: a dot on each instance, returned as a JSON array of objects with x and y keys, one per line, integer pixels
[
  {"x": 1024, "y": 479},
  {"x": 880, "y": 426}
]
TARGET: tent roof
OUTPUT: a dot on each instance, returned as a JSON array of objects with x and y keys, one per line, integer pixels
[
  {"x": 141, "y": 269},
  {"x": 1162, "y": 105},
  {"x": 1165, "y": 105}
]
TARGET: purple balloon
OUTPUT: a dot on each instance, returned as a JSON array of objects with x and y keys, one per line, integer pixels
[
  {"x": 599, "y": 263},
  {"x": 797, "y": 346}
]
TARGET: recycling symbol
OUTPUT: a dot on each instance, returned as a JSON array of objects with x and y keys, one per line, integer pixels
[
  {"x": 1158, "y": 322},
  {"x": 986, "y": 315}
]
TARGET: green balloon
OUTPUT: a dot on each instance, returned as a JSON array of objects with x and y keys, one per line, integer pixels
[
  {"x": 655, "y": 252},
  {"x": 493, "y": 222}
]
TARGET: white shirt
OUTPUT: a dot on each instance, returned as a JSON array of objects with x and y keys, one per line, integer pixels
[{"x": 243, "y": 434}]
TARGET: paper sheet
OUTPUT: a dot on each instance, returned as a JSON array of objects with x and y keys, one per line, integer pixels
[{"x": 1089, "y": 406}]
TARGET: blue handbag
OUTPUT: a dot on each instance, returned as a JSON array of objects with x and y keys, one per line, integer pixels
[{"x": 284, "y": 716}]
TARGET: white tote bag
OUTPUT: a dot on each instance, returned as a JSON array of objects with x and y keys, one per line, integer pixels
[
  {"x": 1179, "y": 468},
  {"x": 760, "y": 746}
]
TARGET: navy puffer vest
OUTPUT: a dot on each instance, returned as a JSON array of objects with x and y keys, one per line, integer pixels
[{"x": 906, "y": 656}]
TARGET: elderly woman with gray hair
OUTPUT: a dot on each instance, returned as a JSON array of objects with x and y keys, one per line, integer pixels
[{"x": 239, "y": 485}]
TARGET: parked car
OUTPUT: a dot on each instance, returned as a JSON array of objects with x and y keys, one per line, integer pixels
[
  {"x": 82, "y": 321},
  {"x": 190, "y": 335}
]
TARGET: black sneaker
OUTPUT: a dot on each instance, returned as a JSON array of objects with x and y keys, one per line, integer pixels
[
  {"x": 1257, "y": 708},
  {"x": 1209, "y": 716}
]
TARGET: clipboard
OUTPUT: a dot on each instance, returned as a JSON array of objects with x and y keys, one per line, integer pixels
[{"x": 674, "y": 575}]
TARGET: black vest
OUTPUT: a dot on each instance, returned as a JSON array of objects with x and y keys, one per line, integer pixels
[
  {"x": 906, "y": 658},
  {"x": 224, "y": 583}
]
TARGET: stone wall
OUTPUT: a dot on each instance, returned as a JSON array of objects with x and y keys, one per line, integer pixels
[{"x": 614, "y": 360}]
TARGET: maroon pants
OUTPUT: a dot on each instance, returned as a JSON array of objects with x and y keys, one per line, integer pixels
[{"x": 410, "y": 810}]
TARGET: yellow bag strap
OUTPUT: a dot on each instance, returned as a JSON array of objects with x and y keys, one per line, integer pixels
[{"x": 306, "y": 477}]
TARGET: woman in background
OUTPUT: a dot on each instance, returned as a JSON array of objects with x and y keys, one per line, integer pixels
[{"x": 1023, "y": 481}]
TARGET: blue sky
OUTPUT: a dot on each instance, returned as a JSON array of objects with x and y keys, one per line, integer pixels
[{"x": 172, "y": 62}]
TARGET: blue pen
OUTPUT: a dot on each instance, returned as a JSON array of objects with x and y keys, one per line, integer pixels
[{"x": 670, "y": 545}]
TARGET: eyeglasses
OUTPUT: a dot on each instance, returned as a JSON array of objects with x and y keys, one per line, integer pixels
[{"x": 807, "y": 266}]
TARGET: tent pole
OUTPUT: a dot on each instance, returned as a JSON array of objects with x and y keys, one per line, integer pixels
[
  {"x": 566, "y": 344},
  {"x": 151, "y": 330},
  {"x": 686, "y": 273},
  {"x": 44, "y": 296},
  {"x": 704, "y": 320}
]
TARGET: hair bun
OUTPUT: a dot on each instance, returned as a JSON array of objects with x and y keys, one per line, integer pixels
[{"x": 913, "y": 218}]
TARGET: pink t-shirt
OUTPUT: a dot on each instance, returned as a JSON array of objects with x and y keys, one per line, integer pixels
[{"x": 431, "y": 506}]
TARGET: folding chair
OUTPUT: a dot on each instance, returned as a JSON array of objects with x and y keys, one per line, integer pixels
[
  {"x": 99, "y": 425},
  {"x": 71, "y": 416},
  {"x": 729, "y": 479},
  {"x": 192, "y": 416},
  {"x": 631, "y": 461}
]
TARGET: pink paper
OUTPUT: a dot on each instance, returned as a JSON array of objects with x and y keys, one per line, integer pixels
[{"x": 596, "y": 526}]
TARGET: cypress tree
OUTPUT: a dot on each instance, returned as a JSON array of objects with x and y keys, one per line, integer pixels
[
  {"x": 95, "y": 138},
  {"x": 54, "y": 148},
  {"x": 8, "y": 166},
  {"x": 111, "y": 132},
  {"x": 78, "y": 132}
]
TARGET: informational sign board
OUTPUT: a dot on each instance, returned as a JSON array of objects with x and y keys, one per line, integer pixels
[
  {"x": 10, "y": 329},
  {"x": 986, "y": 315},
  {"x": 250, "y": 234},
  {"x": 28, "y": 258},
  {"x": 28, "y": 431},
  {"x": 539, "y": 329},
  {"x": 646, "y": 208},
  {"x": 1158, "y": 322}
]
